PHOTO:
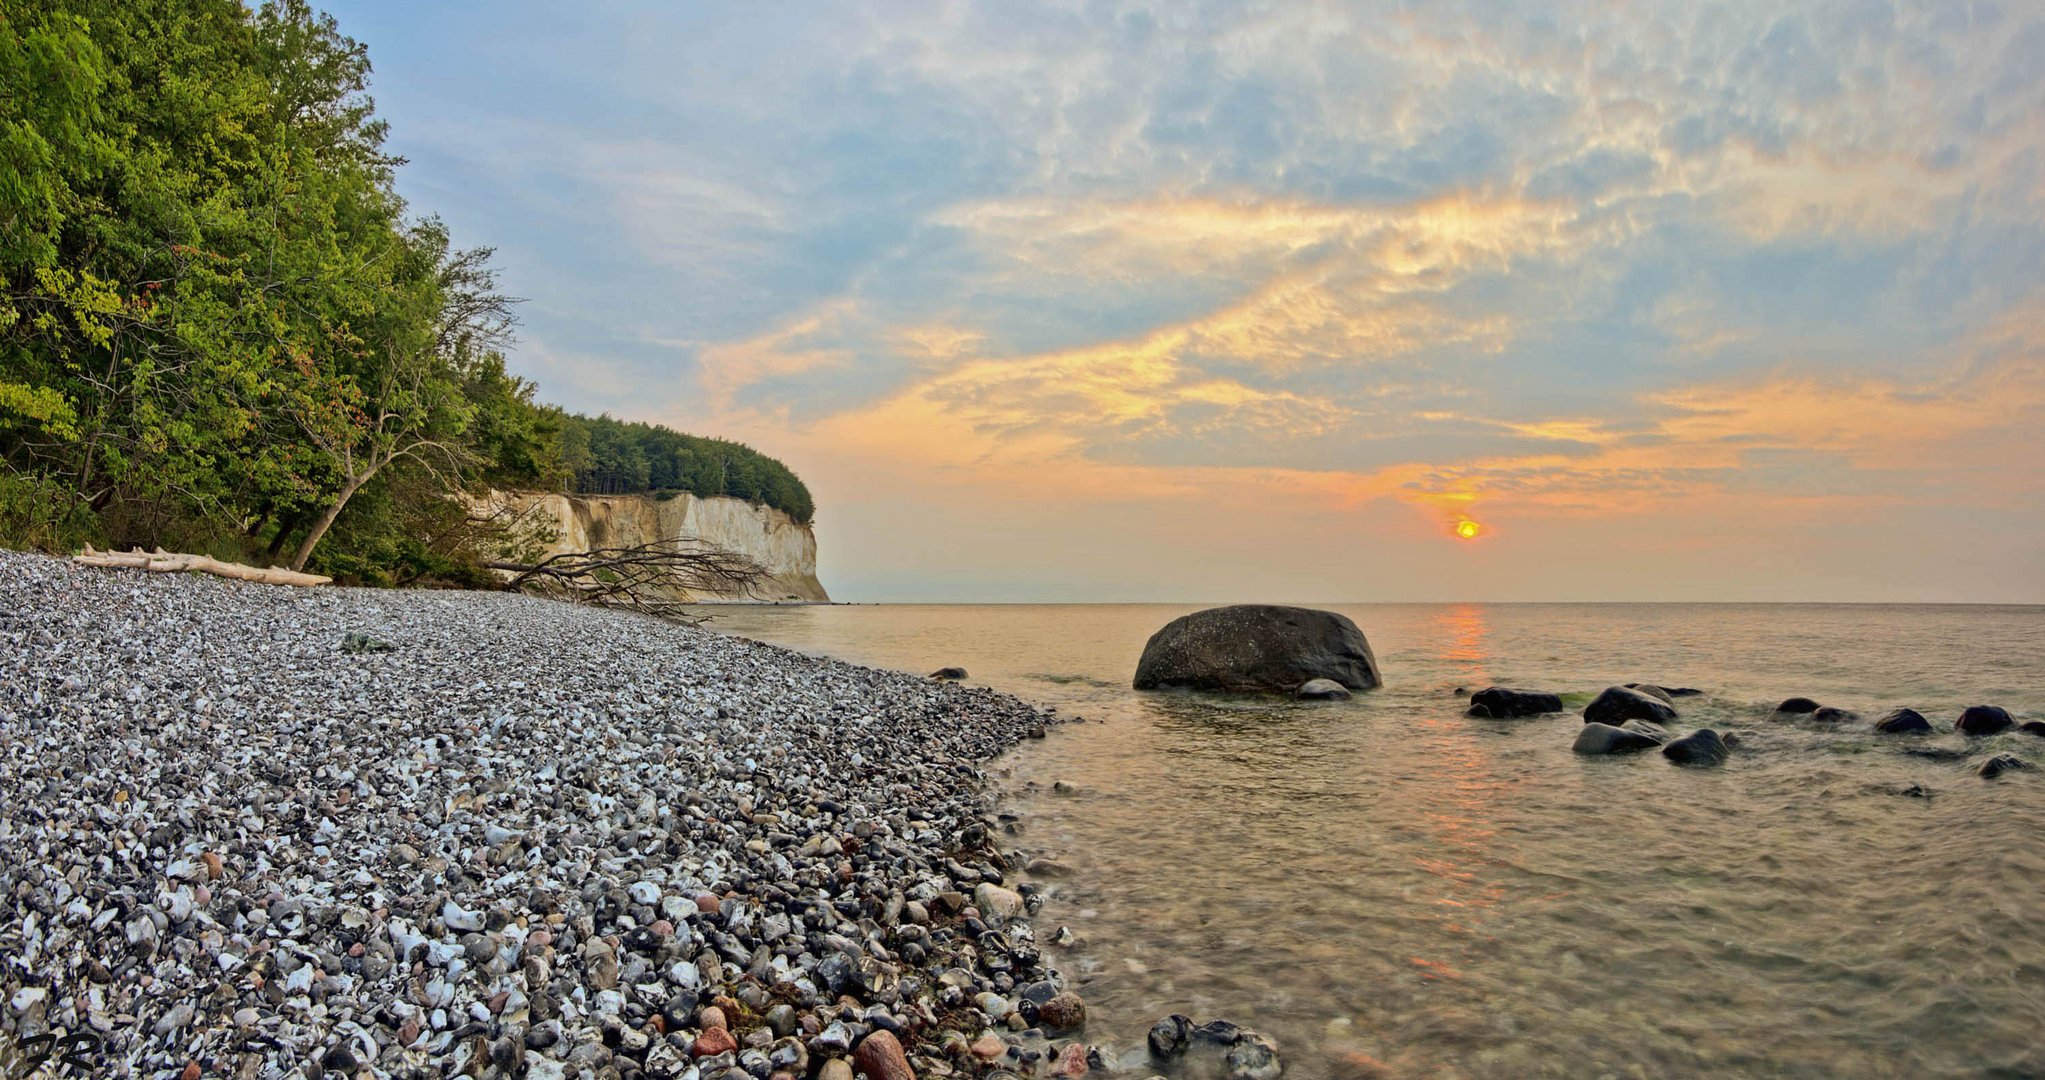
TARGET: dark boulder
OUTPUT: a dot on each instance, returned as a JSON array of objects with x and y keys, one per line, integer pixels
[
  {"x": 1700, "y": 747},
  {"x": 1618, "y": 704},
  {"x": 1497, "y": 701},
  {"x": 1321, "y": 690},
  {"x": 1596, "y": 738},
  {"x": 2033, "y": 727},
  {"x": 2001, "y": 763},
  {"x": 949, "y": 673},
  {"x": 1832, "y": 715},
  {"x": 1798, "y": 705},
  {"x": 1984, "y": 720},
  {"x": 1903, "y": 722},
  {"x": 1252, "y": 648}
]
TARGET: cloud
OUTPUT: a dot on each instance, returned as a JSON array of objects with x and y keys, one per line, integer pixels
[{"x": 1578, "y": 261}]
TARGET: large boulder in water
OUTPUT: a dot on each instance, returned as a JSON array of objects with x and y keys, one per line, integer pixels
[
  {"x": 1500, "y": 703},
  {"x": 1797, "y": 706},
  {"x": 1984, "y": 720},
  {"x": 1595, "y": 738},
  {"x": 1999, "y": 764},
  {"x": 1618, "y": 704},
  {"x": 1252, "y": 648},
  {"x": 1700, "y": 747},
  {"x": 1903, "y": 722}
]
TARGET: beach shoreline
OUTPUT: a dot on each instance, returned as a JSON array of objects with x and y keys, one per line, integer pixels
[{"x": 266, "y": 831}]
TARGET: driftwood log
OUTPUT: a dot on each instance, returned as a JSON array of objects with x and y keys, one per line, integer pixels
[{"x": 165, "y": 562}]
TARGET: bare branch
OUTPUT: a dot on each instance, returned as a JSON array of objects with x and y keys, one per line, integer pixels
[{"x": 654, "y": 578}]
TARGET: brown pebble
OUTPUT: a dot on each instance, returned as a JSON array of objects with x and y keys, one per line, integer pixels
[
  {"x": 539, "y": 939},
  {"x": 498, "y": 1000},
  {"x": 706, "y": 903},
  {"x": 1064, "y": 1012},
  {"x": 662, "y": 928},
  {"x": 408, "y": 1031},
  {"x": 880, "y": 1057},
  {"x": 356, "y": 949},
  {"x": 714, "y": 1041},
  {"x": 989, "y": 1047},
  {"x": 712, "y": 1017},
  {"x": 1071, "y": 1062},
  {"x": 191, "y": 1070}
]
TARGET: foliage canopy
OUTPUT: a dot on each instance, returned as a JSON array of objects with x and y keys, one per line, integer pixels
[{"x": 221, "y": 331}]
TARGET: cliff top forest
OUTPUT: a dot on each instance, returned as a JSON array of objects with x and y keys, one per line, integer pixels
[{"x": 221, "y": 331}]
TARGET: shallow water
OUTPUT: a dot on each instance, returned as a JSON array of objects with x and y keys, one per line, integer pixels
[{"x": 1386, "y": 881}]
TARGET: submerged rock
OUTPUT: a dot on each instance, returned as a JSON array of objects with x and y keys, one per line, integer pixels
[
  {"x": 1797, "y": 706},
  {"x": 2033, "y": 727},
  {"x": 1257, "y": 648},
  {"x": 1596, "y": 738},
  {"x": 1236, "y": 1052},
  {"x": 1617, "y": 704},
  {"x": 1903, "y": 722},
  {"x": 2001, "y": 763},
  {"x": 1651, "y": 690},
  {"x": 1321, "y": 690},
  {"x": 1827, "y": 714},
  {"x": 1983, "y": 720},
  {"x": 1500, "y": 702},
  {"x": 1700, "y": 747},
  {"x": 1065, "y": 1011},
  {"x": 949, "y": 673},
  {"x": 1169, "y": 1036}
]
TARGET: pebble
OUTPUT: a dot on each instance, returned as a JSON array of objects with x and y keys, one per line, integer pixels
[
  {"x": 880, "y": 1057},
  {"x": 1065, "y": 1011},
  {"x": 537, "y": 838}
]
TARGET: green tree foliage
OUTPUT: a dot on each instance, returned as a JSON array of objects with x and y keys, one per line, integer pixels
[
  {"x": 603, "y": 456},
  {"x": 221, "y": 331}
]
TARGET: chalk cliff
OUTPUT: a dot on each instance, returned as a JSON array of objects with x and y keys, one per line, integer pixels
[{"x": 785, "y": 547}]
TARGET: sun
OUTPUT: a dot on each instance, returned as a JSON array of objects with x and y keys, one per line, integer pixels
[{"x": 1468, "y": 529}]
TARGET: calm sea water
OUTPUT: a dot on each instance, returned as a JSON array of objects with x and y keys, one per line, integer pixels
[{"x": 1392, "y": 889}]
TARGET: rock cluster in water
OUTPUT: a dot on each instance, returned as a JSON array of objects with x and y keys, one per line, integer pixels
[
  {"x": 1639, "y": 716},
  {"x": 1234, "y": 1053},
  {"x": 524, "y": 839}
]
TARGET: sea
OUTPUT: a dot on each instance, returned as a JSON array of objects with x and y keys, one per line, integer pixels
[{"x": 1390, "y": 888}]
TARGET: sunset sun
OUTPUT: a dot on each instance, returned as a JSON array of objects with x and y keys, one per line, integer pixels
[{"x": 1467, "y": 529}]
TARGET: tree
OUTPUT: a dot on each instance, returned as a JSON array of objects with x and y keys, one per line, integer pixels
[{"x": 398, "y": 392}]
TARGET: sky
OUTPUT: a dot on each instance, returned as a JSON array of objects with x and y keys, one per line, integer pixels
[{"x": 1205, "y": 302}]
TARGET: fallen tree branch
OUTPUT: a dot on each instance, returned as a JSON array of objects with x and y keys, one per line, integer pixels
[
  {"x": 164, "y": 562},
  {"x": 657, "y": 579}
]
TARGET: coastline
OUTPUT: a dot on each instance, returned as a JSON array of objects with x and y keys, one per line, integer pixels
[{"x": 495, "y": 834}]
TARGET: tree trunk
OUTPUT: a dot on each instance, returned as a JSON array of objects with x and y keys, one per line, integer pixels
[
  {"x": 286, "y": 525},
  {"x": 326, "y": 519}
]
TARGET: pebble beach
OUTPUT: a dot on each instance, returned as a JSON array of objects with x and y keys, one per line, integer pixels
[{"x": 258, "y": 832}]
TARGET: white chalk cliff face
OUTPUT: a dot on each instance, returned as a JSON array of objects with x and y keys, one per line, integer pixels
[{"x": 784, "y": 546}]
